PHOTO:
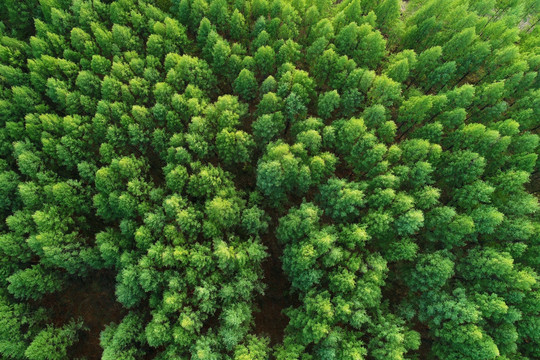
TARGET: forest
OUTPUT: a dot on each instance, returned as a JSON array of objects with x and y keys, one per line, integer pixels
[{"x": 269, "y": 179}]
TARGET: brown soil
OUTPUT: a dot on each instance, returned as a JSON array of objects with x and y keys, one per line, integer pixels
[
  {"x": 270, "y": 320},
  {"x": 93, "y": 300}
]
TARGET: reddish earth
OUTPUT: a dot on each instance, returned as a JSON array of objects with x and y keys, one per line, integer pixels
[
  {"x": 94, "y": 301},
  {"x": 270, "y": 320}
]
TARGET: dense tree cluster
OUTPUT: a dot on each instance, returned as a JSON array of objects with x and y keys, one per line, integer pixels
[{"x": 388, "y": 149}]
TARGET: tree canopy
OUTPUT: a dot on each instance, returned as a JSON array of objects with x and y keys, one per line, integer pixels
[{"x": 366, "y": 169}]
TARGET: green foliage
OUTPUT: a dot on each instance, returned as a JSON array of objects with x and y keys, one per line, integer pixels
[
  {"x": 234, "y": 147},
  {"x": 52, "y": 343},
  {"x": 34, "y": 282},
  {"x": 368, "y": 167},
  {"x": 282, "y": 170},
  {"x": 245, "y": 85},
  {"x": 341, "y": 200},
  {"x": 123, "y": 340},
  {"x": 328, "y": 103}
]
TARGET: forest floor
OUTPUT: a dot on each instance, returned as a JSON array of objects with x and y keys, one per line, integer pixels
[
  {"x": 270, "y": 320},
  {"x": 92, "y": 300}
]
